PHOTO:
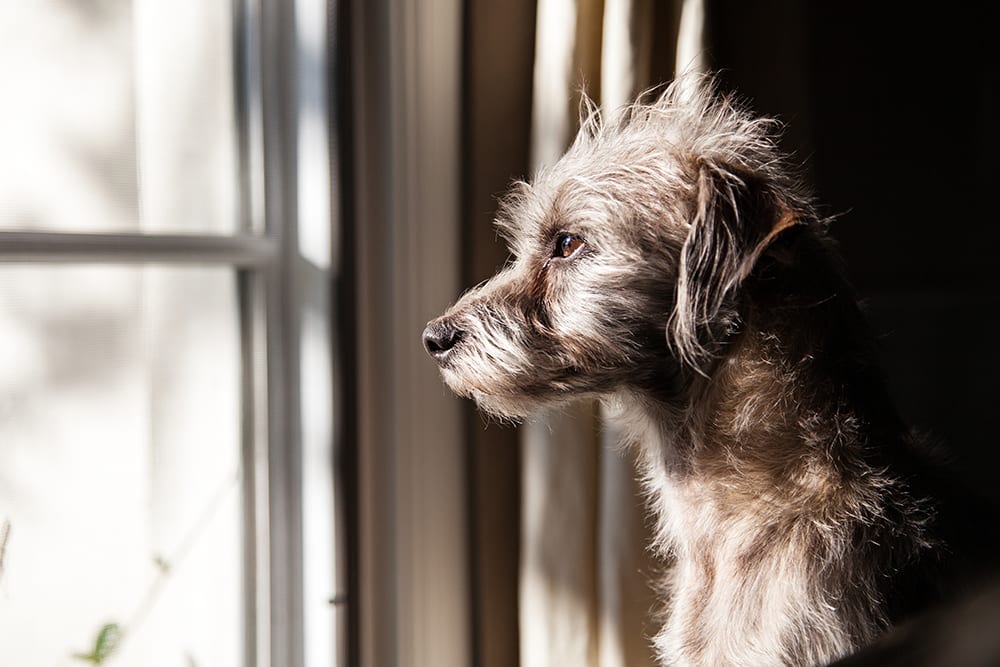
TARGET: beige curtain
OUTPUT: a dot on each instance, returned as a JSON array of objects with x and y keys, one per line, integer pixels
[{"x": 585, "y": 572}]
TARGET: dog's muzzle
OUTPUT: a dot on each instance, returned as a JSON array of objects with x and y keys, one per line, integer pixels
[{"x": 440, "y": 338}]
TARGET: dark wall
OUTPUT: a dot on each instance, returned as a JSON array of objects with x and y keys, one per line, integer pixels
[{"x": 894, "y": 115}]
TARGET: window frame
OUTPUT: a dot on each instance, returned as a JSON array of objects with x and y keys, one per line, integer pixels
[{"x": 274, "y": 283}]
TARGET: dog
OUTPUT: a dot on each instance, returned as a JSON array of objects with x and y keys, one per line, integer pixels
[{"x": 672, "y": 265}]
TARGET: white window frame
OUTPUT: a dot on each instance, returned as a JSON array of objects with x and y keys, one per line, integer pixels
[{"x": 276, "y": 286}]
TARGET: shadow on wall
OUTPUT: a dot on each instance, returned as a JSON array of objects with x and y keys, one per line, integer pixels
[{"x": 943, "y": 372}]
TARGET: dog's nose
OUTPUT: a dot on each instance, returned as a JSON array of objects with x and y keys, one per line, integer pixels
[{"x": 439, "y": 337}]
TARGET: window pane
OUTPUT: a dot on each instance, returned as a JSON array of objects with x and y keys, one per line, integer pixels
[
  {"x": 120, "y": 464},
  {"x": 117, "y": 116}
]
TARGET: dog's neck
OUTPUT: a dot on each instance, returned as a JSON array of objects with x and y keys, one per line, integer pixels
[
  {"x": 794, "y": 390},
  {"x": 758, "y": 438},
  {"x": 771, "y": 468}
]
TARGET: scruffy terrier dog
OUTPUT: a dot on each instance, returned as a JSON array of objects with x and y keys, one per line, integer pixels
[{"x": 671, "y": 265}]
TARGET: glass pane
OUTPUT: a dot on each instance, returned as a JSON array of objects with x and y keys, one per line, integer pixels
[
  {"x": 117, "y": 115},
  {"x": 120, "y": 465}
]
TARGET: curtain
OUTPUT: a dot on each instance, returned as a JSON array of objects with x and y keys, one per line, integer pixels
[{"x": 585, "y": 573}]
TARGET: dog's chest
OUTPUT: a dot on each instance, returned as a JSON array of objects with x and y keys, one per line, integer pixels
[
  {"x": 739, "y": 597},
  {"x": 722, "y": 612}
]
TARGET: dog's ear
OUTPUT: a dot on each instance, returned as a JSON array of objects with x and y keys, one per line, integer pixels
[{"x": 736, "y": 217}]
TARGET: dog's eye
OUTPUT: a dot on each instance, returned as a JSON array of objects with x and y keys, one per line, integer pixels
[{"x": 566, "y": 245}]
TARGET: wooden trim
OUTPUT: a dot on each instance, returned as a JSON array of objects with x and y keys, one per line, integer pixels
[
  {"x": 498, "y": 74},
  {"x": 413, "y": 563}
]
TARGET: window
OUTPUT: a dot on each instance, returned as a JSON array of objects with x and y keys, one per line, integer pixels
[{"x": 167, "y": 472}]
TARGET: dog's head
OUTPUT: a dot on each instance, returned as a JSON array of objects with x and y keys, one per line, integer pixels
[{"x": 627, "y": 257}]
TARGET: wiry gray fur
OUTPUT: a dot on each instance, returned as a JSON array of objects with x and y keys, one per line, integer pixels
[{"x": 706, "y": 306}]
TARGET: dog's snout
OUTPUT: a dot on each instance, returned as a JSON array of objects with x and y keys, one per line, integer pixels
[{"x": 440, "y": 337}]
